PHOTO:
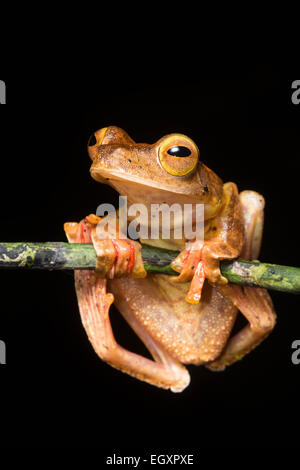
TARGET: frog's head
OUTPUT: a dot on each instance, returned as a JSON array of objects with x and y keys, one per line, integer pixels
[{"x": 166, "y": 171}]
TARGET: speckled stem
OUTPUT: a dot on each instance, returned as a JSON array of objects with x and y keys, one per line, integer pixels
[
  {"x": 269, "y": 276},
  {"x": 60, "y": 255}
]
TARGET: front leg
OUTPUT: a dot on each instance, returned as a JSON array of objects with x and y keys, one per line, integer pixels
[
  {"x": 94, "y": 303},
  {"x": 223, "y": 240}
]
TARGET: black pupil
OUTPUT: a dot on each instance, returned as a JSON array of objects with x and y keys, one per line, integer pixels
[
  {"x": 92, "y": 141},
  {"x": 179, "y": 151}
]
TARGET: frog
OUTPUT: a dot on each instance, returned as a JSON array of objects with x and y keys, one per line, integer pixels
[{"x": 185, "y": 319}]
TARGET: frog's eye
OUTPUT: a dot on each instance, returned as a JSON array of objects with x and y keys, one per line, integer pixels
[
  {"x": 97, "y": 138},
  {"x": 179, "y": 151},
  {"x": 178, "y": 155}
]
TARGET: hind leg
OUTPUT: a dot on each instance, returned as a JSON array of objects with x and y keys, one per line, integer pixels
[
  {"x": 94, "y": 303},
  {"x": 253, "y": 302}
]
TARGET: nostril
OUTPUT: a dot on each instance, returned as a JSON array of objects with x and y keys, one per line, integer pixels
[{"x": 92, "y": 141}]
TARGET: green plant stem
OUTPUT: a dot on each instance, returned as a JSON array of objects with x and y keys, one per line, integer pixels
[{"x": 61, "y": 256}]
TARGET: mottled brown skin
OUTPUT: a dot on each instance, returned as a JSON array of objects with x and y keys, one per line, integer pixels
[
  {"x": 133, "y": 170},
  {"x": 175, "y": 331}
]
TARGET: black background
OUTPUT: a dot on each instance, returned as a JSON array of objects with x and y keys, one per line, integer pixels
[{"x": 55, "y": 392}]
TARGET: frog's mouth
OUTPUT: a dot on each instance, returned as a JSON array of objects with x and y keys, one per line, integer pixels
[
  {"x": 138, "y": 190},
  {"x": 119, "y": 179}
]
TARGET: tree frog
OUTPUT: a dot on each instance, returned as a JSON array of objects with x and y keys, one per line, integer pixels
[{"x": 183, "y": 319}]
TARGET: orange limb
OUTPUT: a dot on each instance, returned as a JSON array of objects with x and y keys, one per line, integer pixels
[
  {"x": 190, "y": 266},
  {"x": 94, "y": 303},
  {"x": 194, "y": 294}
]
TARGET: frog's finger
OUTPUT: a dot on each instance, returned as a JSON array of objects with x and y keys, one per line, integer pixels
[
  {"x": 194, "y": 294},
  {"x": 71, "y": 230},
  {"x": 187, "y": 262}
]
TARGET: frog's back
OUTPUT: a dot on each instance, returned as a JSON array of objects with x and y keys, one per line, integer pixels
[{"x": 191, "y": 333}]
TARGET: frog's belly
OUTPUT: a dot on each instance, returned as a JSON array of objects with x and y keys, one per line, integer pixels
[{"x": 191, "y": 333}]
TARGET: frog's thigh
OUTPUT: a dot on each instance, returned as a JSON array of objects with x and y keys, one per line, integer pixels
[
  {"x": 252, "y": 204},
  {"x": 193, "y": 334},
  {"x": 254, "y": 303},
  {"x": 165, "y": 371}
]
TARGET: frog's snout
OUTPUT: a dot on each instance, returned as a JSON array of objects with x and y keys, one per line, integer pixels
[
  {"x": 111, "y": 135},
  {"x": 95, "y": 140}
]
